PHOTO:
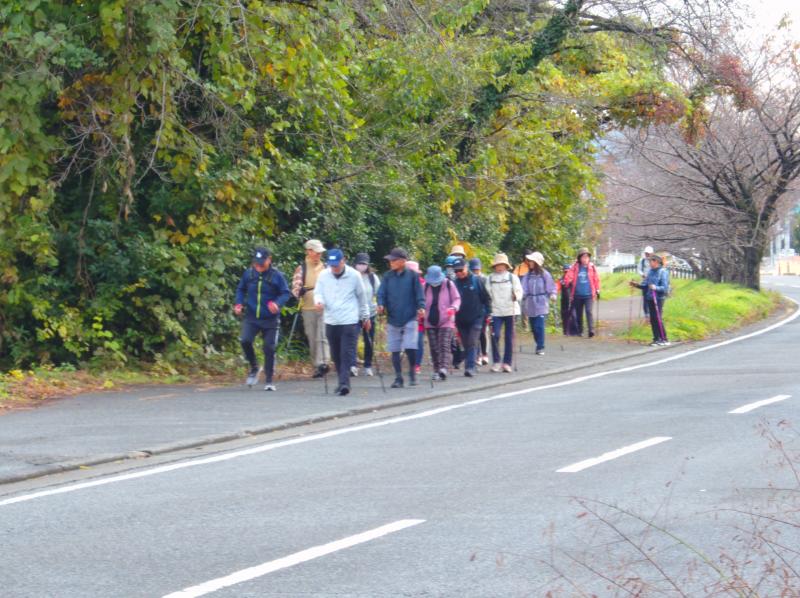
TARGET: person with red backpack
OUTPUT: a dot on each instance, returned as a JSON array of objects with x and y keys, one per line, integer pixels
[{"x": 584, "y": 284}]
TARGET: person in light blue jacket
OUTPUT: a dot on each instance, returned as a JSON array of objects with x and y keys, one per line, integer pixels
[
  {"x": 341, "y": 296},
  {"x": 656, "y": 289},
  {"x": 538, "y": 290}
]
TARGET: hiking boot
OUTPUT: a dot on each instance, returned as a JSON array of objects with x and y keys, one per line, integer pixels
[
  {"x": 354, "y": 372},
  {"x": 270, "y": 387},
  {"x": 496, "y": 368},
  {"x": 469, "y": 373},
  {"x": 591, "y": 334},
  {"x": 368, "y": 372},
  {"x": 252, "y": 376},
  {"x": 412, "y": 378},
  {"x": 398, "y": 383},
  {"x": 319, "y": 372},
  {"x": 540, "y": 351},
  {"x": 443, "y": 374},
  {"x": 344, "y": 390},
  {"x": 436, "y": 377},
  {"x": 664, "y": 343},
  {"x": 507, "y": 368},
  {"x": 655, "y": 344}
]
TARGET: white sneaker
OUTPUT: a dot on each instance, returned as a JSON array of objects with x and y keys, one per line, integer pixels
[
  {"x": 252, "y": 376},
  {"x": 497, "y": 368},
  {"x": 368, "y": 372},
  {"x": 507, "y": 368},
  {"x": 270, "y": 388},
  {"x": 354, "y": 372}
]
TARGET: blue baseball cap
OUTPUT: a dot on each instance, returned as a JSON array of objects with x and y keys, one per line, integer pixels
[
  {"x": 335, "y": 257},
  {"x": 475, "y": 264}
]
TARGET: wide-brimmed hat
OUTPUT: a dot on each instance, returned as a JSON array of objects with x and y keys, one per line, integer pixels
[
  {"x": 536, "y": 257},
  {"x": 584, "y": 251},
  {"x": 659, "y": 258},
  {"x": 398, "y": 253},
  {"x": 458, "y": 250},
  {"x": 261, "y": 255},
  {"x": 362, "y": 258},
  {"x": 315, "y": 245},
  {"x": 501, "y": 258},
  {"x": 434, "y": 276}
]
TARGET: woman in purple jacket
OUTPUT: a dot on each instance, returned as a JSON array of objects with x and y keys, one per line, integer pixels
[
  {"x": 442, "y": 301},
  {"x": 538, "y": 290}
]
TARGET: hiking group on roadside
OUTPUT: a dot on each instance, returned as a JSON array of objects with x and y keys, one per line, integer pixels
[{"x": 461, "y": 310}]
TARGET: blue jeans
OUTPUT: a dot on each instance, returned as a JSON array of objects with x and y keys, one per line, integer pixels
[
  {"x": 470, "y": 331},
  {"x": 508, "y": 346},
  {"x": 420, "y": 349},
  {"x": 537, "y": 326}
]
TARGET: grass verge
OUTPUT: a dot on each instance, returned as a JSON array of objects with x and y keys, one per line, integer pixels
[{"x": 697, "y": 309}]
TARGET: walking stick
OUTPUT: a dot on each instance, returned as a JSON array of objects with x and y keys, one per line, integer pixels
[
  {"x": 597, "y": 314},
  {"x": 658, "y": 316},
  {"x": 322, "y": 352},
  {"x": 514, "y": 341},
  {"x": 630, "y": 315}
]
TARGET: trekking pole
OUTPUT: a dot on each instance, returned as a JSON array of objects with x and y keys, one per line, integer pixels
[
  {"x": 514, "y": 342},
  {"x": 375, "y": 356},
  {"x": 597, "y": 314},
  {"x": 630, "y": 315},
  {"x": 325, "y": 364},
  {"x": 658, "y": 316}
]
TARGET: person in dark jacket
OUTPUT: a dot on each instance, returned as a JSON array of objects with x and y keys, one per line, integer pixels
[
  {"x": 656, "y": 288},
  {"x": 476, "y": 306},
  {"x": 400, "y": 298},
  {"x": 260, "y": 294}
]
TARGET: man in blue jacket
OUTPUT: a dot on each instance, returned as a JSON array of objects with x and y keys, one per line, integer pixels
[
  {"x": 476, "y": 305},
  {"x": 656, "y": 289},
  {"x": 261, "y": 293},
  {"x": 400, "y": 297}
]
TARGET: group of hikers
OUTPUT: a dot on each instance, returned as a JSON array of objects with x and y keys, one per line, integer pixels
[{"x": 462, "y": 310}]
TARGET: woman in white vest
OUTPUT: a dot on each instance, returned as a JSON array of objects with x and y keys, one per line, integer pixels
[{"x": 506, "y": 292}]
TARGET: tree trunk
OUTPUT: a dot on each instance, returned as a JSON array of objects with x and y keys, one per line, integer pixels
[{"x": 750, "y": 272}]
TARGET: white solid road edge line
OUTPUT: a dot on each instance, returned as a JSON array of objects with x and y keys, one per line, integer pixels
[
  {"x": 292, "y": 560},
  {"x": 270, "y": 446},
  {"x": 609, "y": 456},
  {"x": 757, "y": 404}
]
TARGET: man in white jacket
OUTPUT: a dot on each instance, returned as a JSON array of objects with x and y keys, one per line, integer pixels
[
  {"x": 341, "y": 296},
  {"x": 505, "y": 290}
]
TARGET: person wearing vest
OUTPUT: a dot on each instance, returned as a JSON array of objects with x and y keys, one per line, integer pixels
[
  {"x": 342, "y": 299},
  {"x": 505, "y": 291},
  {"x": 442, "y": 302},
  {"x": 371, "y": 285},
  {"x": 260, "y": 294},
  {"x": 538, "y": 290},
  {"x": 400, "y": 298},
  {"x": 642, "y": 269},
  {"x": 303, "y": 283},
  {"x": 656, "y": 287},
  {"x": 584, "y": 284},
  {"x": 476, "y": 305}
]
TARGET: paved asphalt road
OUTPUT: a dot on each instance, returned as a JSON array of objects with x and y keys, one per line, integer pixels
[{"x": 506, "y": 496}]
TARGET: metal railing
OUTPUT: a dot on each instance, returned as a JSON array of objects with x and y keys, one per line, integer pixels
[{"x": 674, "y": 272}]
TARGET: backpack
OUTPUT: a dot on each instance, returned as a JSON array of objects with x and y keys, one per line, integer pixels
[{"x": 511, "y": 282}]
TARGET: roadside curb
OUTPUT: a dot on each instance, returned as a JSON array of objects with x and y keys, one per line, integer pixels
[{"x": 164, "y": 449}]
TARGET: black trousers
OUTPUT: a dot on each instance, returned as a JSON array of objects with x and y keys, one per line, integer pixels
[
  {"x": 656, "y": 312},
  {"x": 343, "y": 341},
  {"x": 269, "y": 335}
]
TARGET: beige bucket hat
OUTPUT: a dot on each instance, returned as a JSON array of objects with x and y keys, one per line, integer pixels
[
  {"x": 501, "y": 258},
  {"x": 315, "y": 245},
  {"x": 458, "y": 250}
]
